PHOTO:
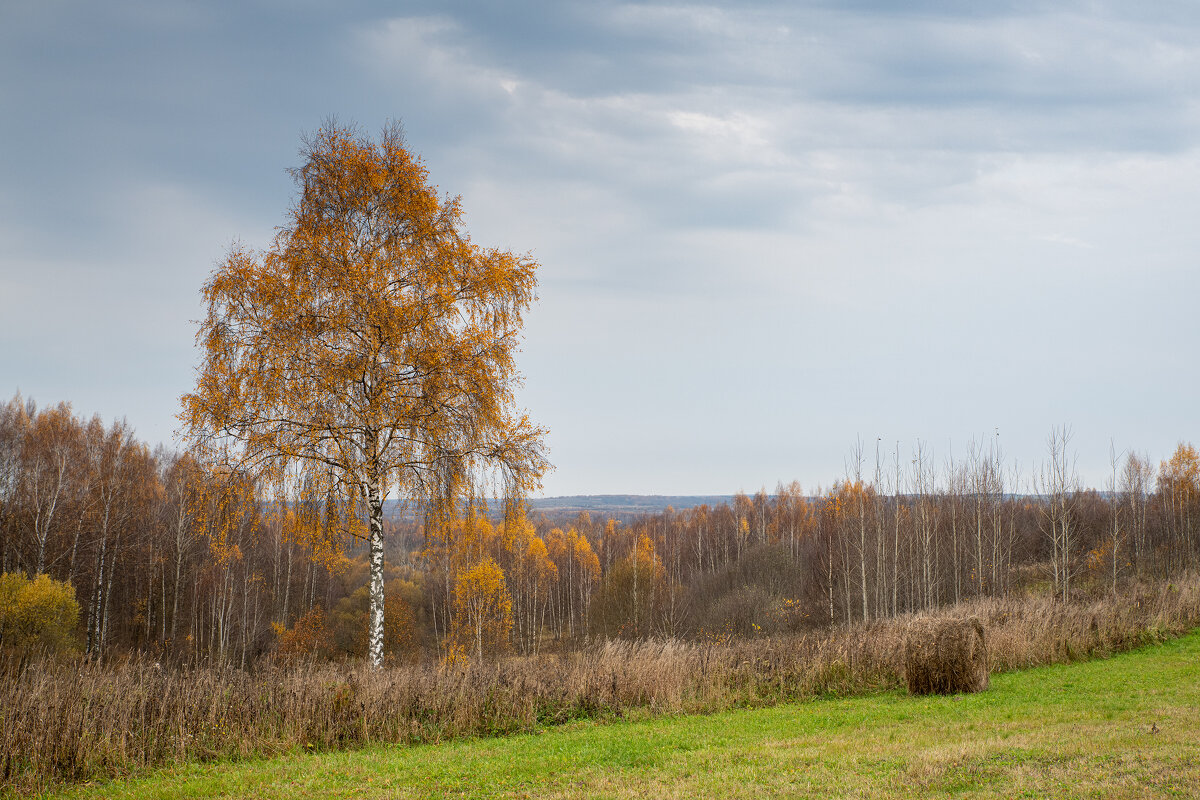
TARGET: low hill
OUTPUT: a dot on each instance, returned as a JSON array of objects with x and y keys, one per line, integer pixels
[
  {"x": 613, "y": 504},
  {"x": 623, "y": 507}
]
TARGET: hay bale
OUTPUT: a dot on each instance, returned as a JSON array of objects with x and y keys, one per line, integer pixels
[{"x": 945, "y": 656}]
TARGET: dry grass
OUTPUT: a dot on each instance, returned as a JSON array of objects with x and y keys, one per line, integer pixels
[
  {"x": 71, "y": 722},
  {"x": 945, "y": 655}
]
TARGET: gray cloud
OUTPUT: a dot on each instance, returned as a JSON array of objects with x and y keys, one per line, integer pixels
[{"x": 765, "y": 228}]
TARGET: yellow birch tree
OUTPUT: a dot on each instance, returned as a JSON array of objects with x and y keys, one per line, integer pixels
[
  {"x": 483, "y": 608},
  {"x": 372, "y": 338}
]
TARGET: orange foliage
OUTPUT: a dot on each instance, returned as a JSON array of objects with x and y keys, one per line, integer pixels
[
  {"x": 227, "y": 513},
  {"x": 399, "y": 624},
  {"x": 587, "y": 561},
  {"x": 483, "y": 608},
  {"x": 533, "y": 575},
  {"x": 309, "y": 636},
  {"x": 373, "y": 342},
  {"x": 1181, "y": 474},
  {"x": 373, "y": 338}
]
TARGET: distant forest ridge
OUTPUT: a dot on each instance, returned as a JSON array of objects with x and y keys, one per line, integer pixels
[
  {"x": 627, "y": 506},
  {"x": 628, "y": 503},
  {"x": 615, "y": 505}
]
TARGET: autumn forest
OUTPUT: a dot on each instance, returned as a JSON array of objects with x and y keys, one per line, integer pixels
[{"x": 172, "y": 557}]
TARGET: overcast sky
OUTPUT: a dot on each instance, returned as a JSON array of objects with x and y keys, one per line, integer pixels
[{"x": 765, "y": 230}]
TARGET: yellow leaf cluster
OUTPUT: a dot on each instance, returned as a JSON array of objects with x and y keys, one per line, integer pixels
[
  {"x": 37, "y": 614},
  {"x": 483, "y": 608}
]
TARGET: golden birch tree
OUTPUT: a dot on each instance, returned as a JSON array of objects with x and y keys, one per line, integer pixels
[
  {"x": 372, "y": 338},
  {"x": 483, "y": 608}
]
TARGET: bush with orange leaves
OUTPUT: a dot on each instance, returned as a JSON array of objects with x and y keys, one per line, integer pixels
[{"x": 308, "y": 637}]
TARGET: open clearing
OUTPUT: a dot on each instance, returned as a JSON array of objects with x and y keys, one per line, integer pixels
[{"x": 1128, "y": 726}]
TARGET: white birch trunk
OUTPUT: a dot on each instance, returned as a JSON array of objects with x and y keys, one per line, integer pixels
[{"x": 375, "y": 631}]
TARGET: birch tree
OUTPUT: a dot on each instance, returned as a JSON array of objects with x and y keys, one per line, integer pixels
[
  {"x": 1179, "y": 490},
  {"x": 50, "y": 452},
  {"x": 1057, "y": 483},
  {"x": 373, "y": 338},
  {"x": 1116, "y": 526},
  {"x": 1136, "y": 479}
]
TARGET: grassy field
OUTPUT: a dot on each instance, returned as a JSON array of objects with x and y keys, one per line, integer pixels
[{"x": 1127, "y": 726}]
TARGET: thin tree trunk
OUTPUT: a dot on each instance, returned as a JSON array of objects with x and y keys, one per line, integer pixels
[
  {"x": 175, "y": 599},
  {"x": 375, "y": 632},
  {"x": 287, "y": 585},
  {"x": 163, "y": 609},
  {"x": 862, "y": 551}
]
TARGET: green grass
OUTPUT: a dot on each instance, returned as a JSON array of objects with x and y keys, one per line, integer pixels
[{"x": 1128, "y": 726}]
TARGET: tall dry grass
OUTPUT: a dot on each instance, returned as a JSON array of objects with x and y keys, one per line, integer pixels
[{"x": 72, "y": 722}]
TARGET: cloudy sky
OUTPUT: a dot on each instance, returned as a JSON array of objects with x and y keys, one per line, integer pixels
[{"x": 766, "y": 230}]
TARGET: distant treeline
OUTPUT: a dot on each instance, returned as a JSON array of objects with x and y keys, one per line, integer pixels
[
  {"x": 621, "y": 507},
  {"x": 178, "y": 558}
]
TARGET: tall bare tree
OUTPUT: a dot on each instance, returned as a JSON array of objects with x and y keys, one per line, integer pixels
[{"x": 1057, "y": 482}]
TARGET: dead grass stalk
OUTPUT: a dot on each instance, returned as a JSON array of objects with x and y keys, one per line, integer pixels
[{"x": 67, "y": 722}]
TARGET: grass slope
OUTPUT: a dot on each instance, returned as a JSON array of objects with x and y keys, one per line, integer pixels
[{"x": 1128, "y": 726}]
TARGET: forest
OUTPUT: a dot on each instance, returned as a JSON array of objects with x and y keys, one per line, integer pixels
[{"x": 163, "y": 554}]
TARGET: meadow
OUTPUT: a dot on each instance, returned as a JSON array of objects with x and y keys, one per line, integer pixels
[
  {"x": 1123, "y": 726},
  {"x": 78, "y": 723}
]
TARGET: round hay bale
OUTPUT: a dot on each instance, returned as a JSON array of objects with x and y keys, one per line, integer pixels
[{"x": 945, "y": 656}]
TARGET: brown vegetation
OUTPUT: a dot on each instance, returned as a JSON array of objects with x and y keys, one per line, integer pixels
[
  {"x": 77, "y": 721},
  {"x": 945, "y": 656}
]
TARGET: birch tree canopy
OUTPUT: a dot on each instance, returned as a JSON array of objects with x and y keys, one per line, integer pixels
[{"x": 372, "y": 343}]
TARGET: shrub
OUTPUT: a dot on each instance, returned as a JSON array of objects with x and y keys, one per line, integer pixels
[
  {"x": 309, "y": 636},
  {"x": 945, "y": 656},
  {"x": 746, "y": 612},
  {"x": 39, "y": 614}
]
